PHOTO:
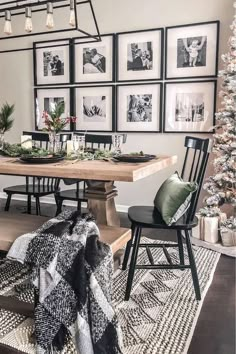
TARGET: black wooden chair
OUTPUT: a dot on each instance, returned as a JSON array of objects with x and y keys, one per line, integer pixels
[
  {"x": 93, "y": 141},
  {"x": 195, "y": 162},
  {"x": 37, "y": 187}
]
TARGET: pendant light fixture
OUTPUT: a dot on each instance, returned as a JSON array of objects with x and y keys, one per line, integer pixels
[
  {"x": 72, "y": 13},
  {"x": 28, "y": 20},
  {"x": 50, "y": 20},
  {"x": 7, "y": 26}
]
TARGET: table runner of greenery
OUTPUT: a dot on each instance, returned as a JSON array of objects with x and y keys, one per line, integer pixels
[{"x": 16, "y": 150}]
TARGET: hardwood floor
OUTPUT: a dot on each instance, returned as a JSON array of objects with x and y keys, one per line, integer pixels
[{"x": 216, "y": 327}]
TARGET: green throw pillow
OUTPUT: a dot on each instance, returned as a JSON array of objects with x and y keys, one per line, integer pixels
[{"x": 173, "y": 198}]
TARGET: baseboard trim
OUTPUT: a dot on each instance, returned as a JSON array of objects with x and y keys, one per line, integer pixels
[{"x": 51, "y": 200}]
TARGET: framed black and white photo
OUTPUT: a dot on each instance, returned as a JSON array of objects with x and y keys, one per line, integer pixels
[
  {"x": 139, "y": 108},
  {"x": 94, "y": 62},
  {"x": 139, "y": 55},
  {"x": 52, "y": 62},
  {"x": 192, "y": 50},
  {"x": 94, "y": 107},
  {"x": 45, "y": 101},
  {"x": 190, "y": 106}
]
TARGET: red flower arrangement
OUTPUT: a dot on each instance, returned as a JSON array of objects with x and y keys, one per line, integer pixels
[{"x": 53, "y": 121}]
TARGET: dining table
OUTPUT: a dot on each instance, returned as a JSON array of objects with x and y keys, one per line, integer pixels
[{"x": 100, "y": 177}]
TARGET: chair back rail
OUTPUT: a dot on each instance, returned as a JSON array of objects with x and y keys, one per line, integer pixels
[
  {"x": 194, "y": 167},
  {"x": 99, "y": 141}
]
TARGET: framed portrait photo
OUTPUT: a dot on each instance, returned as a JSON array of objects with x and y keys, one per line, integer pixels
[
  {"x": 52, "y": 62},
  {"x": 139, "y": 108},
  {"x": 192, "y": 50},
  {"x": 95, "y": 108},
  {"x": 190, "y": 106},
  {"x": 94, "y": 62},
  {"x": 139, "y": 55},
  {"x": 45, "y": 101}
]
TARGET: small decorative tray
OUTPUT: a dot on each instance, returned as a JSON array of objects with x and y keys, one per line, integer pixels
[
  {"x": 134, "y": 157},
  {"x": 42, "y": 159}
]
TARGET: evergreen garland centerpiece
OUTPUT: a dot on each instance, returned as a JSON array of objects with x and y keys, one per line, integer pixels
[
  {"x": 222, "y": 185},
  {"x": 6, "y": 120}
]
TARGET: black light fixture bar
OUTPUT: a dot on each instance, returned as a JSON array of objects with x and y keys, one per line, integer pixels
[
  {"x": 4, "y": 8},
  {"x": 91, "y": 37}
]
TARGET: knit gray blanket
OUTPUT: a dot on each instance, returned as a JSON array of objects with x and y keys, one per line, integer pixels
[{"x": 72, "y": 273}]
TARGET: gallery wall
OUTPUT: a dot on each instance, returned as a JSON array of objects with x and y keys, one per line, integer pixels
[{"x": 16, "y": 75}]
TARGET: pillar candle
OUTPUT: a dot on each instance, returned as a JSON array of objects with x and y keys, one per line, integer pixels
[
  {"x": 69, "y": 147},
  {"x": 26, "y": 141}
]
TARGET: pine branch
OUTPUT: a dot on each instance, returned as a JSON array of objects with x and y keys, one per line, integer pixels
[{"x": 6, "y": 122}]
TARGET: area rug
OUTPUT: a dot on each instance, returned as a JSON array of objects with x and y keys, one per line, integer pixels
[{"x": 160, "y": 317}]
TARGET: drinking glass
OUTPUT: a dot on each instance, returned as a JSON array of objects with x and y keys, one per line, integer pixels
[
  {"x": 79, "y": 143},
  {"x": 117, "y": 141}
]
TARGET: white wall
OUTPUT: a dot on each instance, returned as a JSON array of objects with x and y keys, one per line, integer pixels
[{"x": 16, "y": 75}]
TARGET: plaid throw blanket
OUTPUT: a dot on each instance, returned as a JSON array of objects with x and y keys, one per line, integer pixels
[{"x": 72, "y": 272}]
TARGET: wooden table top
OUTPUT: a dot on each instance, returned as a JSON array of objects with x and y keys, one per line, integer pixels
[{"x": 93, "y": 170}]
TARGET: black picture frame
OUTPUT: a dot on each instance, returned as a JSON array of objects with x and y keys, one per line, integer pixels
[
  {"x": 54, "y": 44},
  {"x": 198, "y": 82},
  {"x": 159, "y": 111},
  {"x": 112, "y": 63},
  {"x": 38, "y": 111},
  {"x": 161, "y": 49},
  {"x": 215, "y": 52},
  {"x": 78, "y": 116}
]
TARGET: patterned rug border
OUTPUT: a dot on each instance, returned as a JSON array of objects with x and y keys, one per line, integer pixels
[{"x": 190, "y": 337}]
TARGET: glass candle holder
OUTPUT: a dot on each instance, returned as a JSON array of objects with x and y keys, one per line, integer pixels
[{"x": 117, "y": 141}]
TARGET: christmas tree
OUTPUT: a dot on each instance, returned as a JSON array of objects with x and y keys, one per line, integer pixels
[{"x": 222, "y": 185}]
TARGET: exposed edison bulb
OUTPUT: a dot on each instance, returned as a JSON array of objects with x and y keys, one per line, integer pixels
[
  {"x": 7, "y": 25},
  {"x": 28, "y": 20},
  {"x": 72, "y": 13},
  {"x": 50, "y": 20}
]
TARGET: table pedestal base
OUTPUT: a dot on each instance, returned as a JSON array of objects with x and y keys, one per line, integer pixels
[{"x": 101, "y": 203}]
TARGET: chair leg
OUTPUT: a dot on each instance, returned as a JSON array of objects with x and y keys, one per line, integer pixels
[
  {"x": 127, "y": 249},
  {"x": 193, "y": 266},
  {"x": 29, "y": 204},
  {"x": 137, "y": 236},
  {"x": 59, "y": 206},
  {"x": 8, "y": 202},
  {"x": 181, "y": 248},
  {"x": 79, "y": 206},
  {"x": 38, "y": 209}
]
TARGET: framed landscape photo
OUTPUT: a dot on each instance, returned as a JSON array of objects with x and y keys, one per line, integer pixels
[
  {"x": 139, "y": 55},
  {"x": 139, "y": 108},
  {"x": 95, "y": 108},
  {"x": 45, "y": 100},
  {"x": 94, "y": 62},
  {"x": 190, "y": 107},
  {"x": 192, "y": 50},
  {"x": 52, "y": 62}
]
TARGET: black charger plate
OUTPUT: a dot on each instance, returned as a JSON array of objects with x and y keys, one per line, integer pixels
[
  {"x": 134, "y": 158},
  {"x": 41, "y": 160}
]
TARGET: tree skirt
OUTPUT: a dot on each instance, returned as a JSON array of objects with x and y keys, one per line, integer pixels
[{"x": 159, "y": 318}]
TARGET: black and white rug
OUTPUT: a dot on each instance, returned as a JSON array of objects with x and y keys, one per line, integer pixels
[{"x": 160, "y": 317}]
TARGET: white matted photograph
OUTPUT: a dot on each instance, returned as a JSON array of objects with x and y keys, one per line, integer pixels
[
  {"x": 52, "y": 64},
  {"x": 192, "y": 50},
  {"x": 139, "y": 108},
  {"x": 139, "y": 55},
  {"x": 94, "y": 108},
  {"x": 190, "y": 106},
  {"x": 46, "y": 100},
  {"x": 94, "y": 62}
]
